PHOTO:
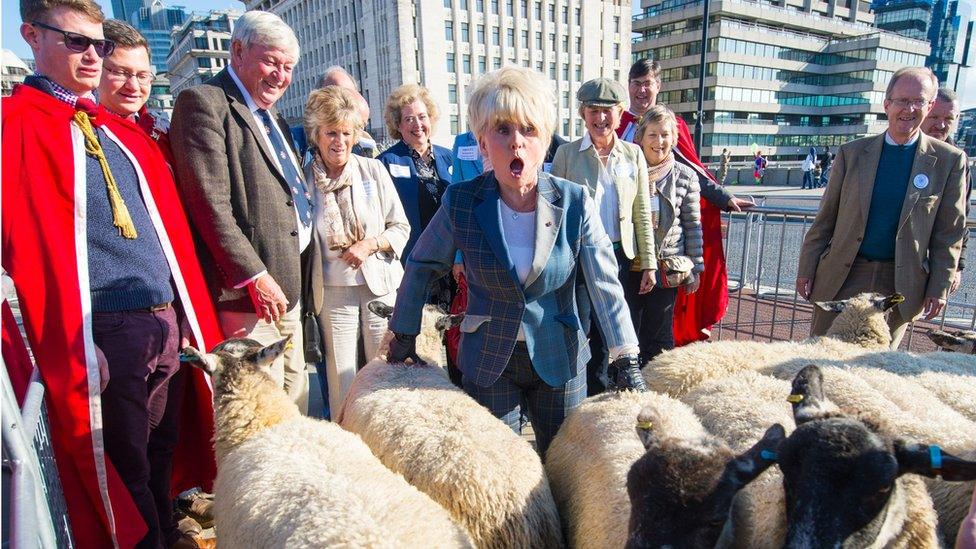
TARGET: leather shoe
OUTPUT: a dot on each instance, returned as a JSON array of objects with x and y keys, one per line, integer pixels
[{"x": 624, "y": 374}]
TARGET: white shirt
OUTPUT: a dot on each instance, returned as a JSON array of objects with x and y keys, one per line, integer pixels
[
  {"x": 518, "y": 230},
  {"x": 606, "y": 199},
  {"x": 304, "y": 233},
  {"x": 911, "y": 141}
]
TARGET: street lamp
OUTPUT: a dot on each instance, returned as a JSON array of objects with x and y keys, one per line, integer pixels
[{"x": 700, "y": 117}]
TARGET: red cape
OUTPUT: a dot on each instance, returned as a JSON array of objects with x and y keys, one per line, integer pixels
[
  {"x": 45, "y": 252},
  {"x": 695, "y": 314}
]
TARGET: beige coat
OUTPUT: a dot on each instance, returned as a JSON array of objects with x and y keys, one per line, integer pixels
[
  {"x": 930, "y": 229},
  {"x": 583, "y": 167}
]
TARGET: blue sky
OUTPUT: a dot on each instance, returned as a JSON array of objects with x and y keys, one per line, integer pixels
[{"x": 10, "y": 18}]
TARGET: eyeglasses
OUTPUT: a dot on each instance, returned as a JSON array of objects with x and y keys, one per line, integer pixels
[
  {"x": 79, "y": 43},
  {"x": 642, "y": 84},
  {"x": 917, "y": 103},
  {"x": 122, "y": 75}
]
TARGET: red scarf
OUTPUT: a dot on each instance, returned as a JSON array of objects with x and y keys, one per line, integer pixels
[
  {"x": 695, "y": 314},
  {"x": 42, "y": 252}
]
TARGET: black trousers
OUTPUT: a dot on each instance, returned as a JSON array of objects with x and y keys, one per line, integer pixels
[
  {"x": 653, "y": 316},
  {"x": 596, "y": 368}
]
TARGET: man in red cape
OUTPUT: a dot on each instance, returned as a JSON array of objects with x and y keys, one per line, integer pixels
[
  {"x": 46, "y": 252},
  {"x": 694, "y": 314}
]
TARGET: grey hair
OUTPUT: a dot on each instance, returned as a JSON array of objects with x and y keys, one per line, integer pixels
[
  {"x": 265, "y": 29},
  {"x": 328, "y": 80},
  {"x": 947, "y": 95},
  {"x": 921, "y": 72}
]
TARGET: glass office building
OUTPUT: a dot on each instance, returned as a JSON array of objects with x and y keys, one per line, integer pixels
[
  {"x": 947, "y": 25},
  {"x": 780, "y": 76},
  {"x": 156, "y": 23}
]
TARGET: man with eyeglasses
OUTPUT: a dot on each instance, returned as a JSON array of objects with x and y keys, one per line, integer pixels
[
  {"x": 240, "y": 178},
  {"x": 127, "y": 78},
  {"x": 101, "y": 255},
  {"x": 892, "y": 217}
]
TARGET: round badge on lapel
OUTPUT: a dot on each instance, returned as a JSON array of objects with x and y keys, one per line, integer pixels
[{"x": 921, "y": 181}]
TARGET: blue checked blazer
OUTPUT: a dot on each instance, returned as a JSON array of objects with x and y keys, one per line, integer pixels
[{"x": 568, "y": 233}]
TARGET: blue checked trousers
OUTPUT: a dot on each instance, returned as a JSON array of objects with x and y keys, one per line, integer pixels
[{"x": 547, "y": 406}]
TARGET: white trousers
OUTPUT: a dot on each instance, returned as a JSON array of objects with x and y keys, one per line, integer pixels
[
  {"x": 288, "y": 370},
  {"x": 343, "y": 315}
]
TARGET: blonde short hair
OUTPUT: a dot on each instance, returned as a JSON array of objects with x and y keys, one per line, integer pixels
[
  {"x": 403, "y": 96},
  {"x": 655, "y": 115},
  {"x": 516, "y": 95},
  {"x": 330, "y": 107}
]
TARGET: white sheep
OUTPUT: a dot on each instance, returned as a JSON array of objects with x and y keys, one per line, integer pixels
[
  {"x": 452, "y": 448},
  {"x": 286, "y": 480},
  {"x": 859, "y": 329}
]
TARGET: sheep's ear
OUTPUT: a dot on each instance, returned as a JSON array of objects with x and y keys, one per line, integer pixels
[
  {"x": 205, "y": 361},
  {"x": 379, "y": 308},
  {"x": 267, "y": 355},
  {"x": 806, "y": 395},
  {"x": 930, "y": 461},
  {"x": 751, "y": 463},
  {"x": 832, "y": 306},
  {"x": 447, "y": 322},
  {"x": 646, "y": 420},
  {"x": 890, "y": 301}
]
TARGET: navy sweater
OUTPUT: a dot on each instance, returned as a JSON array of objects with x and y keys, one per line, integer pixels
[{"x": 887, "y": 198}]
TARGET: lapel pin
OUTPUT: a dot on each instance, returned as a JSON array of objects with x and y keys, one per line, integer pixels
[
  {"x": 548, "y": 223},
  {"x": 921, "y": 181}
]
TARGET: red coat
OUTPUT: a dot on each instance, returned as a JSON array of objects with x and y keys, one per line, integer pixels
[
  {"x": 695, "y": 314},
  {"x": 45, "y": 252}
]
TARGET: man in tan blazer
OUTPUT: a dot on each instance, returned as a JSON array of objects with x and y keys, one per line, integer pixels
[{"x": 892, "y": 217}]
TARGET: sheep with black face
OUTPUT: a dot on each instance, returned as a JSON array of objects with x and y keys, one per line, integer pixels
[
  {"x": 848, "y": 486},
  {"x": 682, "y": 488}
]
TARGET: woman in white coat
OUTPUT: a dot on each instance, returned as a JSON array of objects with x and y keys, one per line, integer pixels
[{"x": 361, "y": 227}]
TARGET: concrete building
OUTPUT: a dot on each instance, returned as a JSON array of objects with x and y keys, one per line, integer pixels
[
  {"x": 780, "y": 75},
  {"x": 947, "y": 25},
  {"x": 966, "y": 134},
  {"x": 160, "y": 98},
  {"x": 201, "y": 49},
  {"x": 445, "y": 44},
  {"x": 156, "y": 21},
  {"x": 13, "y": 70}
]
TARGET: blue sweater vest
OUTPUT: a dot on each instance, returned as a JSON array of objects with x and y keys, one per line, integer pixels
[{"x": 887, "y": 198}]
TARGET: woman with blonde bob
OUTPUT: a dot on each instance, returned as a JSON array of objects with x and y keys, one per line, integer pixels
[
  {"x": 361, "y": 228},
  {"x": 675, "y": 199},
  {"x": 522, "y": 233}
]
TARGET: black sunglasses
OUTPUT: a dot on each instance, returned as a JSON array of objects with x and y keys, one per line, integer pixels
[{"x": 79, "y": 42}]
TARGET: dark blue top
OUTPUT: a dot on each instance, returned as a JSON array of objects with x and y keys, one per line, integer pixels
[{"x": 887, "y": 198}]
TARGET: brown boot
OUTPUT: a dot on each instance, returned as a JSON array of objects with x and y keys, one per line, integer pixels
[{"x": 197, "y": 505}]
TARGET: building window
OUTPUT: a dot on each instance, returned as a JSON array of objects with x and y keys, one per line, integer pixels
[
  {"x": 565, "y": 71},
  {"x": 447, "y": 4},
  {"x": 452, "y": 93},
  {"x": 579, "y": 73},
  {"x": 552, "y": 13},
  {"x": 552, "y": 42},
  {"x": 525, "y": 9},
  {"x": 566, "y": 14},
  {"x": 579, "y": 45},
  {"x": 465, "y": 34},
  {"x": 566, "y": 103},
  {"x": 538, "y": 66},
  {"x": 511, "y": 37},
  {"x": 576, "y": 14},
  {"x": 510, "y": 8},
  {"x": 480, "y": 6},
  {"x": 538, "y": 40},
  {"x": 482, "y": 64},
  {"x": 466, "y": 63},
  {"x": 463, "y": 5},
  {"x": 201, "y": 43},
  {"x": 552, "y": 71},
  {"x": 565, "y": 44},
  {"x": 481, "y": 34},
  {"x": 454, "y": 124},
  {"x": 203, "y": 62},
  {"x": 616, "y": 23},
  {"x": 449, "y": 30},
  {"x": 495, "y": 36},
  {"x": 450, "y": 63},
  {"x": 538, "y": 10},
  {"x": 497, "y": 62},
  {"x": 616, "y": 51},
  {"x": 525, "y": 39},
  {"x": 565, "y": 127},
  {"x": 494, "y": 7}
]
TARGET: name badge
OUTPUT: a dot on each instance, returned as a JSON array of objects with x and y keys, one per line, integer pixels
[
  {"x": 623, "y": 170},
  {"x": 921, "y": 181},
  {"x": 547, "y": 167},
  {"x": 468, "y": 153},
  {"x": 369, "y": 187},
  {"x": 398, "y": 170}
]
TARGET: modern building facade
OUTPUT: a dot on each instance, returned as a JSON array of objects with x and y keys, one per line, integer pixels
[
  {"x": 156, "y": 21},
  {"x": 125, "y": 9},
  {"x": 947, "y": 25},
  {"x": 446, "y": 44},
  {"x": 780, "y": 75},
  {"x": 201, "y": 49},
  {"x": 13, "y": 71}
]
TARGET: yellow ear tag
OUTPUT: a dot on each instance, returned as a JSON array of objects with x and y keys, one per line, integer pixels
[
  {"x": 794, "y": 398},
  {"x": 646, "y": 425},
  {"x": 290, "y": 344}
]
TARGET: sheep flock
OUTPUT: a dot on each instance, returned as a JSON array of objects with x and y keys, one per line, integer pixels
[{"x": 833, "y": 441}]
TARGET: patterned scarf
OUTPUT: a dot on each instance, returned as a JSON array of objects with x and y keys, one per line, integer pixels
[
  {"x": 657, "y": 173},
  {"x": 344, "y": 226}
]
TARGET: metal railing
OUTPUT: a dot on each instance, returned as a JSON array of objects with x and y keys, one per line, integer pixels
[{"x": 762, "y": 252}]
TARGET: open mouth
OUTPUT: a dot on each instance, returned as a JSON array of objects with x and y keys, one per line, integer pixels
[{"x": 515, "y": 168}]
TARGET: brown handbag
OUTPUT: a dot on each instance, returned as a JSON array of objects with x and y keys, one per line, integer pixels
[{"x": 674, "y": 271}]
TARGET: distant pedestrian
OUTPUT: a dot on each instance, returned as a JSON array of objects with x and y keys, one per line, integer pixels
[
  {"x": 826, "y": 158},
  {"x": 807, "y": 168},
  {"x": 723, "y": 170},
  {"x": 760, "y": 168}
]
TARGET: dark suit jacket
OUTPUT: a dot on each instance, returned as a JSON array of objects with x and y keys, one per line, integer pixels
[
  {"x": 235, "y": 196},
  {"x": 405, "y": 180}
]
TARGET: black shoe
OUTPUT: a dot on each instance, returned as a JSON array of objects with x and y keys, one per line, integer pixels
[{"x": 624, "y": 373}]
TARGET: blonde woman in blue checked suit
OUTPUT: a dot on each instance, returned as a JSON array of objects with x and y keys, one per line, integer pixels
[{"x": 522, "y": 233}]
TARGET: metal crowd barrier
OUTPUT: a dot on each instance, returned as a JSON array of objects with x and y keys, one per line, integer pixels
[{"x": 762, "y": 248}]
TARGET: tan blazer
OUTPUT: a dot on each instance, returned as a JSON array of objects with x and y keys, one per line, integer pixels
[
  {"x": 930, "y": 229},
  {"x": 633, "y": 195}
]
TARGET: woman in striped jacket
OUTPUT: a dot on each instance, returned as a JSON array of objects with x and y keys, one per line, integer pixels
[{"x": 676, "y": 218}]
